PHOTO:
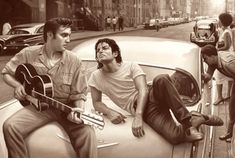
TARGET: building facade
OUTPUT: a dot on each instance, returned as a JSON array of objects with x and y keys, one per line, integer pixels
[{"x": 135, "y": 12}]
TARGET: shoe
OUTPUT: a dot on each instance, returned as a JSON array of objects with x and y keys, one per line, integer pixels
[
  {"x": 210, "y": 120},
  {"x": 227, "y": 98},
  {"x": 197, "y": 119},
  {"x": 229, "y": 140},
  {"x": 225, "y": 136},
  {"x": 213, "y": 121},
  {"x": 219, "y": 101},
  {"x": 192, "y": 135}
]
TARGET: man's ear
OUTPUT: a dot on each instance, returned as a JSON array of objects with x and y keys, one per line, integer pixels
[
  {"x": 49, "y": 35},
  {"x": 115, "y": 53}
]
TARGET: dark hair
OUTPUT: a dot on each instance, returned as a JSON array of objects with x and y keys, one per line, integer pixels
[
  {"x": 54, "y": 24},
  {"x": 114, "y": 47},
  {"x": 226, "y": 19},
  {"x": 209, "y": 50}
]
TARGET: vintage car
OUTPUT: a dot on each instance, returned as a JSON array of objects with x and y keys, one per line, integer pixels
[
  {"x": 182, "y": 61},
  {"x": 21, "y": 36},
  {"x": 152, "y": 24},
  {"x": 205, "y": 31}
]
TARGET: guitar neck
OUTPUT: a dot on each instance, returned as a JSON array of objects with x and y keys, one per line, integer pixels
[{"x": 52, "y": 102}]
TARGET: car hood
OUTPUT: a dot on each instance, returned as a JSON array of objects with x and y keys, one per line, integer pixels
[{"x": 124, "y": 143}]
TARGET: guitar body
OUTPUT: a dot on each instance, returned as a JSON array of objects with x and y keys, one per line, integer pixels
[{"x": 29, "y": 78}]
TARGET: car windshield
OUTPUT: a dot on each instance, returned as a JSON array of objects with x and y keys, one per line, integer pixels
[
  {"x": 184, "y": 83},
  {"x": 17, "y": 31}
]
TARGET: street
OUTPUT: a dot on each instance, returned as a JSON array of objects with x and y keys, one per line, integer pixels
[{"x": 178, "y": 32}]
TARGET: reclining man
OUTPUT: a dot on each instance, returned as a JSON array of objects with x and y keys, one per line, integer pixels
[{"x": 125, "y": 84}]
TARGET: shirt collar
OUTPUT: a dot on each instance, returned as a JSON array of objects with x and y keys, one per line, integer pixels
[{"x": 42, "y": 57}]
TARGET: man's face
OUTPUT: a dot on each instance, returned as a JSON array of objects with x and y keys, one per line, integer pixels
[
  {"x": 208, "y": 59},
  {"x": 104, "y": 53},
  {"x": 61, "y": 39}
]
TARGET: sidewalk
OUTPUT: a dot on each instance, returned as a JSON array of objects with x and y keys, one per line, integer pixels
[
  {"x": 85, "y": 34},
  {"x": 221, "y": 148}
]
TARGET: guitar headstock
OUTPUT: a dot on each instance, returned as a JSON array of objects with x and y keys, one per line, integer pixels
[{"x": 92, "y": 119}]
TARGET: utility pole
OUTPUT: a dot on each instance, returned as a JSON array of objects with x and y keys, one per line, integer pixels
[
  {"x": 103, "y": 14},
  {"x": 226, "y": 6}
]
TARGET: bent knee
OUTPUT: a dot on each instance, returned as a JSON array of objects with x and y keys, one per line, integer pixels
[
  {"x": 89, "y": 132},
  {"x": 8, "y": 126},
  {"x": 161, "y": 78}
]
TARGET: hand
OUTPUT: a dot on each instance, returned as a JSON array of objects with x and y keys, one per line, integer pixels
[
  {"x": 137, "y": 126},
  {"x": 206, "y": 78},
  {"x": 116, "y": 117},
  {"x": 19, "y": 92},
  {"x": 74, "y": 115}
]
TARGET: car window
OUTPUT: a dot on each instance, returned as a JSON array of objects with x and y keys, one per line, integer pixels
[
  {"x": 40, "y": 30},
  {"x": 184, "y": 83},
  {"x": 15, "y": 31}
]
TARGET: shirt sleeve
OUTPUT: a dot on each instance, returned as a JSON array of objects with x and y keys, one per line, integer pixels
[
  {"x": 14, "y": 62},
  {"x": 79, "y": 84},
  {"x": 92, "y": 82},
  {"x": 136, "y": 70}
]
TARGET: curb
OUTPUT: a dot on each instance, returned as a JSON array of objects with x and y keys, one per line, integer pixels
[{"x": 105, "y": 34}]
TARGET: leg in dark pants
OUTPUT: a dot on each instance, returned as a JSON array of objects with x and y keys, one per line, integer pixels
[
  {"x": 229, "y": 132},
  {"x": 232, "y": 111},
  {"x": 163, "y": 97}
]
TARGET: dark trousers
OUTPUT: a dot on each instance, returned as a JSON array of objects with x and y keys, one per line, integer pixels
[
  {"x": 22, "y": 123},
  {"x": 120, "y": 27},
  {"x": 231, "y": 110},
  {"x": 163, "y": 97}
]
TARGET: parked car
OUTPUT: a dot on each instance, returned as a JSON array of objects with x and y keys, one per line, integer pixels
[
  {"x": 152, "y": 24},
  {"x": 155, "y": 56},
  {"x": 21, "y": 36},
  {"x": 205, "y": 31},
  {"x": 164, "y": 23}
]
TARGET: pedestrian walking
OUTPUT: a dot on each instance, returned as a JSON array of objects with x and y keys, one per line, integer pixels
[
  {"x": 157, "y": 25},
  {"x": 224, "y": 44},
  {"x": 114, "y": 22},
  {"x": 120, "y": 23},
  {"x": 108, "y": 20}
]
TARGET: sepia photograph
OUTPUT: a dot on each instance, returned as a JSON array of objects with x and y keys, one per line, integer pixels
[{"x": 117, "y": 78}]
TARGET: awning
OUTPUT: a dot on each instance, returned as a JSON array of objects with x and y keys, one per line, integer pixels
[{"x": 30, "y": 3}]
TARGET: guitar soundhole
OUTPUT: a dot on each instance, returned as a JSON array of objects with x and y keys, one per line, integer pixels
[{"x": 78, "y": 114}]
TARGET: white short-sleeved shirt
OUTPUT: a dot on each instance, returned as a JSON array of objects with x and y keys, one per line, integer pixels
[{"x": 118, "y": 86}]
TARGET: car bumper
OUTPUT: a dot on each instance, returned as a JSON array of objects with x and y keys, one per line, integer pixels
[
  {"x": 202, "y": 43},
  {"x": 14, "y": 48}
]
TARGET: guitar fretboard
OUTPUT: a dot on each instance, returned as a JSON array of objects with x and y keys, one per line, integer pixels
[{"x": 52, "y": 102}]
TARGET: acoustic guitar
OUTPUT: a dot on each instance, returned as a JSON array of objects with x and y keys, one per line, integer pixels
[{"x": 39, "y": 89}]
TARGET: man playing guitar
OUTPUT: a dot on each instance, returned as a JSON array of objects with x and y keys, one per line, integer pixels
[{"x": 69, "y": 86}]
